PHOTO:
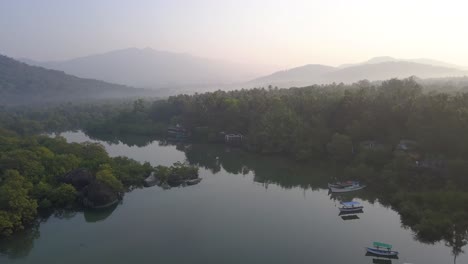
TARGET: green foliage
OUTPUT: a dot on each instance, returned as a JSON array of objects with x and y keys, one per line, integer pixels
[
  {"x": 435, "y": 215},
  {"x": 16, "y": 207},
  {"x": 32, "y": 170},
  {"x": 177, "y": 170},
  {"x": 42, "y": 193},
  {"x": 361, "y": 172},
  {"x": 340, "y": 148},
  {"x": 183, "y": 169},
  {"x": 63, "y": 196},
  {"x": 106, "y": 176},
  {"x": 45, "y": 204},
  {"x": 162, "y": 173},
  {"x": 130, "y": 172}
]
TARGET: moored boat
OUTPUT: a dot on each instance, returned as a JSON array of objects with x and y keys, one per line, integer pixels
[
  {"x": 351, "y": 207},
  {"x": 342, "y": 184},
  {"x": 382, "y": 249},
  {"x": 351, "y": 188}
]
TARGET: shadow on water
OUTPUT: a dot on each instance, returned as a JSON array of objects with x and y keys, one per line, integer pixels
[
  {"x": 19, "y": 245},
  {"x": 266, "y": 169},
  {"x": 127, "y": 139},
  {"x": 96, "y": 215}
]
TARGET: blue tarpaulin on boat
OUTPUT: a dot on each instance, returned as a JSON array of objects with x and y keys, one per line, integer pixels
[{"x": 350, "y": 203}]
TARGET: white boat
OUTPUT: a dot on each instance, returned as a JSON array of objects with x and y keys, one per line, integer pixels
[
  {"x": 383, "y": 250},
  {"x": 342, "y": 184},
  {"x": 351, "y": 207},
  {"x": 351, "y": 188}
]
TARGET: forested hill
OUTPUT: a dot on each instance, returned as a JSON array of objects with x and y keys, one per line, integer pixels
[
  {"x": 24, "y": 84},
  {"x": 373, "y": 70}
]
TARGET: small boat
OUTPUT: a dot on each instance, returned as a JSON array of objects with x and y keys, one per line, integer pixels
[
  {"x": 351, "y": 188},
  {"x": 349, "y": 207},
  {"x": 382, "y": 250},
  {"x": 342, "y": 184}
]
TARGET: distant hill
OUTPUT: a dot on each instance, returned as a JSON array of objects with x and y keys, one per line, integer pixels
[
  {"x": 388, "y": 70},
  {"x": 382, "y": 59},
  {"x": 380, "y": 68},
  {"x": 24, "y": 84},
  {"x": 306, "y": 74},
  {"x": 155, "y": 69}
]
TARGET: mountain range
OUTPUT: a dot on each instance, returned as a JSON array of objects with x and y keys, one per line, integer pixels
[
  {"x": 22, "y": 84},
  {"x": 380, "y": 68},
  {"x": 149, "y": 68},
  {"x": 173, "y": 73}
]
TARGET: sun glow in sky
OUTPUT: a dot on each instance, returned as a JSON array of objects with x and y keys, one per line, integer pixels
[{"x": 271, "y": 32}]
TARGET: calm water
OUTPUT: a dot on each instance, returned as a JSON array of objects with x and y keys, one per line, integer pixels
[{"x": 247, "y": 209}]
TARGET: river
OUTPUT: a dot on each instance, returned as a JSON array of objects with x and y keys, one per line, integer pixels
[{"x": 247, "y": 209}]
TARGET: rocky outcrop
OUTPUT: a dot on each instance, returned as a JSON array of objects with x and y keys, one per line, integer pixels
[
  {"x": 99, "y": 195},
  {"x": 93, "y": 193},
  {"x": 151, "y": 180},
  {"x": 79, "y": 178}
]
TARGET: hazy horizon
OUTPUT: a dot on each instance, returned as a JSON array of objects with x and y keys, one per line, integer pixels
[
  {"x": 283, "y": 34},
  {"x": 343, "y": 64}
]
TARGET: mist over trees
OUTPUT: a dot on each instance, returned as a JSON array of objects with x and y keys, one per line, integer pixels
[{"x": 24, "y": 84}]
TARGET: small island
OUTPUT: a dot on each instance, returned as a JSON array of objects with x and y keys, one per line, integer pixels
[
  {"x": 179, "y": 174},
  {"x": 45, "y": 174}
]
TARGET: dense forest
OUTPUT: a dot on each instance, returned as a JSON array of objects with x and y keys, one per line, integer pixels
[
  {"x": 332, "y": 121},
  {"x": 364, "y": 127}
]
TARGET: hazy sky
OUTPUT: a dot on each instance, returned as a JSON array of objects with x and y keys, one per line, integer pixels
[{"x": 286, "y": 33}]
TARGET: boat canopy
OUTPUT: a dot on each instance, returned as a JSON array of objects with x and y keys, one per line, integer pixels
[
  {"x": 350, "y": 203},
  {"x": 382, "y": 245}
]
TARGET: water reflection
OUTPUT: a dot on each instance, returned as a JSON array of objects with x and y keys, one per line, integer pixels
[
  {"x": 287, "y": 174},
  {"x": 19, "y": 245},
  {"x": 381, "y": 261},
  {"x": 129, "y": 140},
  {"x": 349, "y": 217},
  {"x": 457, "y": 241},
  {"x": 290, "y": 174},
  {"x": 96, "y": 215},
  {"x": 266, "y": 169}
]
